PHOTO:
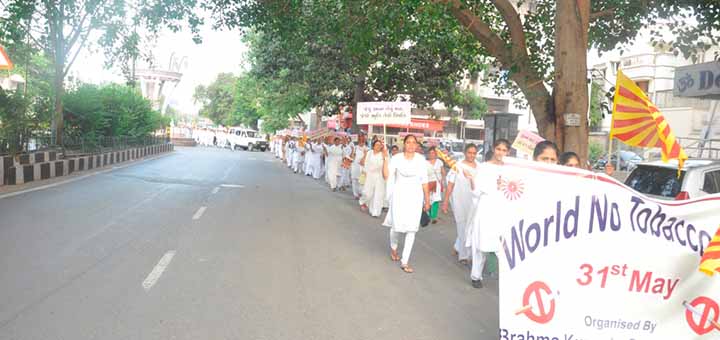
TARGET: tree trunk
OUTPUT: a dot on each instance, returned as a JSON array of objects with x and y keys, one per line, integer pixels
[
  {"x": 358, "y": 96},
  {"x": 318, "y": 118},
  {"x": 570, "y": 92},
  {"x": 58, "y": 38}
]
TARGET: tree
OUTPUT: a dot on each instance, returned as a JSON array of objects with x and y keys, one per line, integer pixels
[
  {"x": 61, "y": 29},
  {"x": 217, "y": 98},
  {"x": 545, "y": 46}
]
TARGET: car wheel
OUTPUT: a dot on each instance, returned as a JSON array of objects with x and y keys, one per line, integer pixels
[{"x": 251, "y": 147}]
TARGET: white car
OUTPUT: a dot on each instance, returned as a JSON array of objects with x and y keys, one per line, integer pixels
[
  {"x": 246, "y": 139},
  {"x": 698, "y": 178}
]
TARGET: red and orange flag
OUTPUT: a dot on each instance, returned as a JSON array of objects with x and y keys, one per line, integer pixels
[
  {"x": 637, "y": 122},
  {"x": 710, "y": 262}
]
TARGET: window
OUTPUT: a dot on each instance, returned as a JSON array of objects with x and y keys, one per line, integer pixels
[
  {"x": 251, "y": 134},
  {"x": 643, "y": 85},
  {"x": 711, "y": 184},
  {"x": 657, "y": 181}
]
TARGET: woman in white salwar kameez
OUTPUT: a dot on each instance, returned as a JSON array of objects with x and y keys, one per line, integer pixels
[
  {"x": 334, "y": 155},
  {"x": 459, "y": 194},
  {"x": 373, "y": 191},
  {"x": 408, "y": 196},
  {"x": 315, "y": 160},
  {"x": 483, "y": 235},
  {"x": 356, "y": 168}
]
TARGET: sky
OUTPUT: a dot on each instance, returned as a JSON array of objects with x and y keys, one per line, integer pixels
[{"x": 220, "y": 51}]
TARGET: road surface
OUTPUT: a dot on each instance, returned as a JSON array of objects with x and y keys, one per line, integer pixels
[{"x": 215, "y": 244}]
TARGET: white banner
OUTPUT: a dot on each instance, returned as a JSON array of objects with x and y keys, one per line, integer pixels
[
  {"x": 584, "y": 257},
  {"x": 379, "y": 113}
]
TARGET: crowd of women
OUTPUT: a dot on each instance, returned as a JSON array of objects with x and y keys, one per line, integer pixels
[{"x": 413, "y": 185}]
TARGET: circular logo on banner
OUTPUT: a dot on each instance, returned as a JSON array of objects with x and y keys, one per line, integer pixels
[
  {"x": 541, "y": 292},
  {"x": 704, "y": 306}
]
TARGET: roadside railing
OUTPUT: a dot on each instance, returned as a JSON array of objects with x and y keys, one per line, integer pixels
[{"x": 76, "y": 145}]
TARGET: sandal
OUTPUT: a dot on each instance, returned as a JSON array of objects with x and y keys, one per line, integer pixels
[
  {"x": 406, "y": 268},
  {"x": 394, "y": 255}
]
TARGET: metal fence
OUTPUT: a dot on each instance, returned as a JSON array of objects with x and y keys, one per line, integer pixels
[{"x": 76, "y": 145}]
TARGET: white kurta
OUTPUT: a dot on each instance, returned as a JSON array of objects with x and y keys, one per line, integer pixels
[
  {"x": 373, "y": 193},
  {"x": 461, "y": 200},
  {"x": 356, "y": 169},
  {"x": 483, "y": 234},
  {"x": 334, "y": 161},
  {"x": 315, "y": 160},
  {"x": 405, "y": 193},
  {"x": 435, "y": 174}
]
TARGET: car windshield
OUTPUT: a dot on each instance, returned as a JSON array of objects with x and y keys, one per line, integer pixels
[{"x": 658, "y": 181}]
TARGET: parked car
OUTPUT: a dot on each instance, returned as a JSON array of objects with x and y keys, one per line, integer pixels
[
  {"x": 246, "y": 139},
  {"x": 628, "y": 161},
  {"x": 660, "y": 180}
]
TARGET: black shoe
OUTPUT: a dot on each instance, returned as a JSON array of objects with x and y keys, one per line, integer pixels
[{"x": 477, "y": 283}]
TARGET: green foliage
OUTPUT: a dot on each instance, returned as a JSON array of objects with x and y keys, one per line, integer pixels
[
  {"x": 596, "y": 151},
  {"x": 598, "y": 103},
  {"x": 110, "y": 110},
  {"x": 16, "y": 121}
]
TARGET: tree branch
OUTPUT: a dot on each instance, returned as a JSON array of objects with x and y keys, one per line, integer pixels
[
  {"x": 602, "y": 13},
  {"x": 79, "y": 28},
  {"x": 77, "y": 52},
  {"x": 515, "y": 26},
  {"x": 481, "y": 30}
]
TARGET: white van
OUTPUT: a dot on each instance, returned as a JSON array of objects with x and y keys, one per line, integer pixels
[{"x": 246, "y": 139}]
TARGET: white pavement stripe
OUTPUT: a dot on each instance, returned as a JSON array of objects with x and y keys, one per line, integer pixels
[
  {"x": 252, "y": 159},
  {"x": 199, "y": 213},
  {"x": 157, "y": 272},
  {"x": 215, "y": 190},
  {"x": 232, "y": 185}
]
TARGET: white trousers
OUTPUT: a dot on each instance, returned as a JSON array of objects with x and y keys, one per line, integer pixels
[
  {"x": 357, "y": 188},
  {"x": 407, "y": 247},
  {"x": 478, "y": 263}
]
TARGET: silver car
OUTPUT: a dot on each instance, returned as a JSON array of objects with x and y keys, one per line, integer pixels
[{"x": 699, "y": 177}]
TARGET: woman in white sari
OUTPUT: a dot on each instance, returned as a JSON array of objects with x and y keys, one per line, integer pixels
[
  {"x": 373, "y": 191},
  {"x": 408, "y": 196}
]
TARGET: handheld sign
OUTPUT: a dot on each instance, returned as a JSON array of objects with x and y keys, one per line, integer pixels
[{"x": 382, "y": 113}]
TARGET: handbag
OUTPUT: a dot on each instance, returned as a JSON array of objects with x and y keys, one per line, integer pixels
[
  {"x": 424, "y": 219},
  {"x": 361, "y": 179}
]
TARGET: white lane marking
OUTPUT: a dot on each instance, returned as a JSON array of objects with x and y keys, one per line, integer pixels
[
  {"x": 155, "y": 274},
  {"x": 199, "y": 213},
  {"x": 269, "y": 160},
  {"x": 252, "y": 159},
  {"x": 228, "y": 170},
  {"x": 215, "y": 190},
  {"x": 232, "y": 185},
  {"x": 48, "y": 186}
]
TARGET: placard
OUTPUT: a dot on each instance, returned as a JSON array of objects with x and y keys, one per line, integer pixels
[
  {"x": 378, "y": 113},
  {"x": 525, "y": 142}
]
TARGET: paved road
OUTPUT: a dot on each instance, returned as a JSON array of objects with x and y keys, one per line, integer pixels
[{"x": 215, "y": 244}]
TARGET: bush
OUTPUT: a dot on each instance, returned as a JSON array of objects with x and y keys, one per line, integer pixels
[
  {"x": 596, "y": 150},
  {"x": 110, "y": 111}
]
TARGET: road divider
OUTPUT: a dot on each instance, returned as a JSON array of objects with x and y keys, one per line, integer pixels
[{"x": 46, "y": 165}]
